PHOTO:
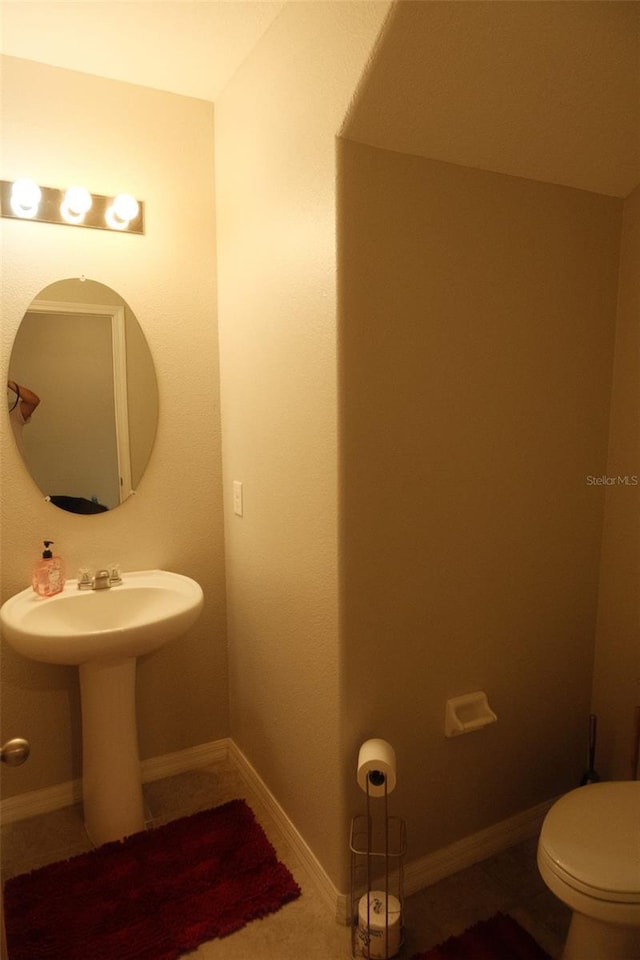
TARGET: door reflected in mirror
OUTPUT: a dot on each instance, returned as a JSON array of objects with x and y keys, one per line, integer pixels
[{"x": 82, "y": 396}]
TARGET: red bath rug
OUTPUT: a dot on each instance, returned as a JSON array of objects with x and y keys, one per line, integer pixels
[
  {"x": 500, "y": 938},
  {"x": 154, "y": 896}
]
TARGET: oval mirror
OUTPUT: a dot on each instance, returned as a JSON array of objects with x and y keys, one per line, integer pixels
[{"x": 82, "y": 396}]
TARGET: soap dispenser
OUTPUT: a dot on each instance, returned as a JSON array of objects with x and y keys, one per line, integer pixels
[{"x": 48, "y": 573}]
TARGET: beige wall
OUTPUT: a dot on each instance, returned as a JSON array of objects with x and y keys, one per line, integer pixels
[
  {"x": 275, "y": 185},
  {"x": 616, "y": 687},
  {"x": 448, "y": 84},
  {"x": 60, "y": 127},
  {"x": 444, "y": 539},
  {"x": 477, "y": 315}
]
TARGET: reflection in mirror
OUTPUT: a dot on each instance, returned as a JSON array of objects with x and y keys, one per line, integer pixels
[{"x": 82, "y": 396}]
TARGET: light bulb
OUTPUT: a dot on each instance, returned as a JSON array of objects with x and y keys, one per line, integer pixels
[
  {"x": 77, "y": 200},
  {"x": 25, "y": 197},
  {"x": 125, "y": 207},
  {"x": 122, "y": 211}
]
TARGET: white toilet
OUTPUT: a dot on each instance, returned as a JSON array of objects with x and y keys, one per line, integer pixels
[{"x": 589, "y": 856}]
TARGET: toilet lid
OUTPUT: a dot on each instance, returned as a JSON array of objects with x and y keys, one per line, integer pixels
[{"x": 593, "y": 836}]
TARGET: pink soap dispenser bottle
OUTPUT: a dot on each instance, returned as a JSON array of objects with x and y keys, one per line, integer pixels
[{"x": 48, "y": 573}]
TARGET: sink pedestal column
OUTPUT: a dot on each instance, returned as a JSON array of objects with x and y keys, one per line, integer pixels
[{"x": 111, "y": 784}]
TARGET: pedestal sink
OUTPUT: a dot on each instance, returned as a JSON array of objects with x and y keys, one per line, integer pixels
[{"x": 103, "y": 632}]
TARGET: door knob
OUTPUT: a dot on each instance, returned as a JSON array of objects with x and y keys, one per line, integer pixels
[{"x": 14, "y": 752}]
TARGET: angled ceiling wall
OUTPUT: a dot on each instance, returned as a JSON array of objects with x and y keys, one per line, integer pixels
[{"x": 544, "y": 90}]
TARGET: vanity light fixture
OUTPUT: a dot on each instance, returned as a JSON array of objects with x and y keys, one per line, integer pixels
[{"x": 23, "y": 199}]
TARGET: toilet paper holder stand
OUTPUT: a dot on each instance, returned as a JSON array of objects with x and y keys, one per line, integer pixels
[{"x": 377, "y": 843}]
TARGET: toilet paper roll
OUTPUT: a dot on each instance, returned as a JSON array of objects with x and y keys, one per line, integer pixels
[
  {"x": 378, "y": 940},
  {"x": 376, "y": 767}
]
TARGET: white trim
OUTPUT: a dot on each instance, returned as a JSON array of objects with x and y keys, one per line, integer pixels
[
  {"x": 169, "y": 764},
  {"x": 35, "y": 802},
  {"x": 67, "y": 306},
  {"x": 320, "y": 879},
  {"x": 479, "y": 846},
  {"x": 418, "y": 874},
  {"x": 121, "y": 401},
  {"x": 427, "y": 870}
]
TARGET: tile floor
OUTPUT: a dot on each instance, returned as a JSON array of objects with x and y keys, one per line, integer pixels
[{"x": 304, "y": 928}]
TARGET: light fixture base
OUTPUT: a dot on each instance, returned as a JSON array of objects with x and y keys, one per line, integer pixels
[{"x": 49, "y": 210}]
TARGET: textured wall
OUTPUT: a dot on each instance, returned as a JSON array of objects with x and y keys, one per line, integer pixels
[
  {"x": 476, "y": 342},
  {"x": 476, "y": 319},
  {"x": 275, "y": 184},
  {"x": 449, "y": 84},
  {"x": 616, "y": 688},
  {"x": 61, "y": 127}
]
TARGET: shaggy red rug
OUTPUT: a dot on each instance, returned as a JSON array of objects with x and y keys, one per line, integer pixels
[
  {"x": 500, "y": 938},
  {"x": 154, "y": 896}
]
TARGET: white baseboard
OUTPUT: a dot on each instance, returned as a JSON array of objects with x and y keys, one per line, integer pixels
[
  {"x": 35, "y": 802},
  {"x": 464, "y": 853},
  {"x": 323, "y": 884},
  {"x": 418, "y": 874},
  {"x": 169, "y": 764}
]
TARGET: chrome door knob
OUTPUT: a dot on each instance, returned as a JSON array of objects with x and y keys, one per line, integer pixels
[{"x": 14, "y": 752}]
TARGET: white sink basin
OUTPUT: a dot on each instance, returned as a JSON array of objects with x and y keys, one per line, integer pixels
[
  {"x": 145, "y": 611},
  {"x": 103, "y": 632}
]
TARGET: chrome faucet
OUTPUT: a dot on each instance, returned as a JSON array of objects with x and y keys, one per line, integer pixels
[{"x": 103, "y": 579}]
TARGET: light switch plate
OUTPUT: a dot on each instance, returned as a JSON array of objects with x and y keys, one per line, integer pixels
[{"x": 237, "y": 497}]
